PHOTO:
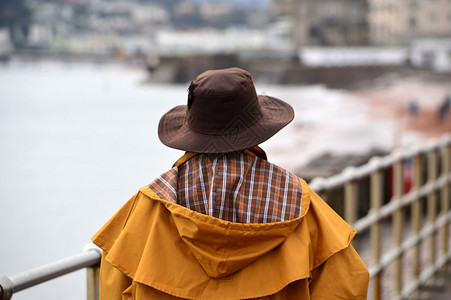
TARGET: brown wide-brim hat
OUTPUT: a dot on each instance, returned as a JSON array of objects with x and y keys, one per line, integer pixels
[{"x": 224, "y": 114}]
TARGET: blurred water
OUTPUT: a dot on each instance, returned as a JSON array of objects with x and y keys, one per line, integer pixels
[{"x": 77, "y": 141}]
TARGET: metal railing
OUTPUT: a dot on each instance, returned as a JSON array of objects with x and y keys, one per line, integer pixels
[
  {"x": 89, "y": 258},
  {"x": 375, "y": 199},
  {"x": 394, "y": 185}
]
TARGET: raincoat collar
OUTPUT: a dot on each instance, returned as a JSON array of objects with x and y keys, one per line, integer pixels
[{"x": 256, "y": 150}]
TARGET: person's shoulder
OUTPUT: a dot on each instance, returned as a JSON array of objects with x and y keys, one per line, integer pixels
[{"x": 165, "y": 185}]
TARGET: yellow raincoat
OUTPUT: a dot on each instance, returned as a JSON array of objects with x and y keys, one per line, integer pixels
[{"x": 156, "y": 249}]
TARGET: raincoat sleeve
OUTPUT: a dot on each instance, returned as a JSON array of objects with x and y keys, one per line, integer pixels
[
  {"x": 342, "y": 276},
  {"x": 337, "y": 271},
  {"x": 113, "y": 284}
]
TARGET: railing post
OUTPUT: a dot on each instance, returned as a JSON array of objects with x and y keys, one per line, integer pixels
[
  {"x": 398, "y": 221},
  {"x": 351, "y": 208},
  {"x": 432, "y": 203},
  {"x": 416, "y": 214},
  {"x": 445, "y": 199},
  {"x": 350, "y": 197},
  {"x": 92, "y": 276},
  {"x": 376, "y": 200}
]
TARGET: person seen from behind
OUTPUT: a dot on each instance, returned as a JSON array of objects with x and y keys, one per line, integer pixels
[{"x": 224, "y": 222}]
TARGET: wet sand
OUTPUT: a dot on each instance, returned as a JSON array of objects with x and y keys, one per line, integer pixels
[
  {"x": 375, "y": 116},
  {"x": 391, "y": 96}
]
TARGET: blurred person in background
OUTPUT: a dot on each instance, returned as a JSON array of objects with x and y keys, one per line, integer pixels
[
  {"x": 223, "y": 222},
  {"x": 444, "y": 108}
]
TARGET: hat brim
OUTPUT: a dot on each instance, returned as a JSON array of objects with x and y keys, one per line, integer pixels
[{"x": 174, "y": 131}]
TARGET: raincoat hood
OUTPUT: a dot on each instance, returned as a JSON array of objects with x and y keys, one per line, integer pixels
[
  {"x": 222, "y": 248},
  {"x": 155, "y": 243}
]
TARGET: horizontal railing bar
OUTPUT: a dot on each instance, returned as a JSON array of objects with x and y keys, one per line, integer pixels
[
  {"x": 409, "y": 243},
  {"x": 425, "y": 275},
  {"x": 385, "y": 211},
  {"x": 41, "y": 274},
  {"x": 50, "y": 271},
  {"x": 323, "y": 184}
]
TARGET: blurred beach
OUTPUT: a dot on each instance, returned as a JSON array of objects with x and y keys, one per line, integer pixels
[
  {"x": 392, "y": 96},
  {"x": 374, "y": 116}
]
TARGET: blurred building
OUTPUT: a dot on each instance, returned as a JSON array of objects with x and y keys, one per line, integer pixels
[
  {"x": 424, "y": 26},
  {"x": 365, "y": 22},
  {"x": 210, "y": 11},
  {"x": 127, "y": 17},
  {"x": 399, "y": 22},
  {"x": 326, "y": 22},
  {"x": 385, "y": 22},
  {"x": 50, "y": 21}
]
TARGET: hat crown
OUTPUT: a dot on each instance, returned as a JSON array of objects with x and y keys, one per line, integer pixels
[
  {"x": 223, "y": 82},
  {"x": 222, "y": 102},
  {"x": 224, "y": 114}
]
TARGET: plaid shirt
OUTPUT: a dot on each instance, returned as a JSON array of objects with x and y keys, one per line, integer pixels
[{"x": 238, "y": 187}]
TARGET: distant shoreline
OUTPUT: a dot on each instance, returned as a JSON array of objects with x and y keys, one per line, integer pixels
[{"x": 267, "y": 68}]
